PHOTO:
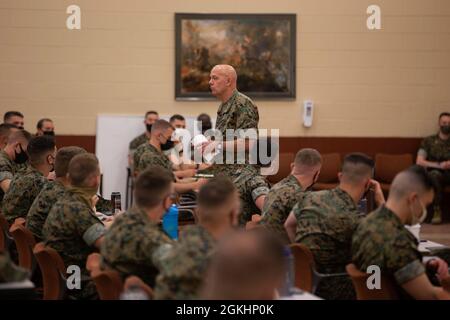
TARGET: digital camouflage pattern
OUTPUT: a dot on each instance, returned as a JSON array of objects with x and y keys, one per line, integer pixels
[
  {"x": 249, "y": 183},
  {"x": 24, "y": 188},
  {"x": 139, "y": 140},
  {"x": 134, "y": 245},
  {"x": 326, "y": 221},
  {"x": 279, "y": 203},
  {"x": 381, "y": 239},
  {"x": 72, "y": 229},
  {"x": 39, "y": 210},
  {"x": 153, "y": 157},
  {"x": 239, "y": 112},
  {"x": 137, "y": 155},
  {"x": 433, "y": 148},
  {"x": 184, "y": 268},
  {"x": 8, "y": 169}
]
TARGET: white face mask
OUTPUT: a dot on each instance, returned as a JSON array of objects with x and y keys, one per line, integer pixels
[{"x": 418, "y": 220}]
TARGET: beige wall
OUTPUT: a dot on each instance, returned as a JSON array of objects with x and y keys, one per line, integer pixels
[{"x": 391, "y": 82}]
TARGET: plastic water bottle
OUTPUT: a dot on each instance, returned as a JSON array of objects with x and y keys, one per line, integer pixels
[
  {"x": 170, "y": 222},
  {"x": 289, "y": 281}
]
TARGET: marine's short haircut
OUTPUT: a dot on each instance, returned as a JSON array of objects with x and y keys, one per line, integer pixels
[
  {"x": 151, "y": 112},
  {"x": 308, "y": 157},
  {"x": 63, "y": 157},
  {"x": 357, "y": 167},
  {"x": 152, "y": 186},
  {"x": 215, "y": 192},
  {"x": 81, "y": 167},
  {"x": 444, "y": 114},
  {"x": 176, "y": 117},
  {"x": 161, "y": 125},
  {"x": 19, "y": 135},
  {"x": 10, "y": 114},
  {"x": 39, "y": 147},
  {"x": 40, "y": 123},
  {"x": 414, "y": 179}
]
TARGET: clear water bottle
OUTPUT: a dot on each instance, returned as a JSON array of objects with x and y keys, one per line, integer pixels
[
  {"x": 289, "y": 281},
  {"x": 134, "y": 293},
  {"x": 170, "y": 222}
]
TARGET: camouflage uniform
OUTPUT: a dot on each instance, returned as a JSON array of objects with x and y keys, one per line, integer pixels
[
  {"x": 381, "y": 239},
  {"x": 72, "y": 229},
  {"x": 433, "y": 148},
  {"x": 154, "y": 157},
  {"x": 139, "y": 140},
  {"x": 239, "y": 112},
  {"x": 49, "y": 195},
  {"x": 326, "y": 221},
  {"x": 24, "y": 188},
  {"x": 279, "y": 203},
  {"x": 134, "y": 245},
  {"x": 7, "y": 170},
  {"x": 9, "y": 272},
  {"x": 183, "y": 270},
  {"x": 137, "y": 155}
]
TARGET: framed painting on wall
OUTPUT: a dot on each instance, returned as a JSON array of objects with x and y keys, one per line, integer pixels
[{"x": 261, "y": 47}]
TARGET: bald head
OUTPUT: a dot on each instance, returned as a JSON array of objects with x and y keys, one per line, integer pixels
[
  {"x": 226, "y": 70},
  {"x": 223, "y": 81},
  {"x": 356, "y": 168},
  {"x": 248, "y": 265}
]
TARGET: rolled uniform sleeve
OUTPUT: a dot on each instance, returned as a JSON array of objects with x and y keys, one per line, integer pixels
[
  {"x": 93, "y": 233},
  {"x": 422, "y": 152},
  {"x": 90, "y": 227},
  {"x": 404, "y": 260},
  {"x": 258, "y": 186},
  {"x": 424, "y": 149},
  {"x": 5, "y": 175}
]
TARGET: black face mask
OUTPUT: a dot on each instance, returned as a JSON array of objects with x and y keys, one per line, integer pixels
[
  {"x": 49, "y": 133},
  {"x": 445, "y": 129},
  {"x": 20, "y": 157},
  {"x": 313, "y": 183},
  {"x": 149, "y": 127},
  {"x": 168, "y": 145}
]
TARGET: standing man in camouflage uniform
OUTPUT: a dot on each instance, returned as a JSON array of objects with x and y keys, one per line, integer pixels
[
  {"x": 160, "y": 140},
  {"x": 135, "y": 242},
  {"x": 324, "y": 221},
  {"x": 237, "y": 113},
  {"x": 12, "y": 159},
  {"x": 286, "y": 193},
  {"x": 382, "y": 240},
  {"x": 72, "y": 228},
  {"x": 434, "y": 154},
  {"x": 150, "y": 118},
  {"x": 183, "y": 270},
  {"x": 52, "y": 191},
  {"x": 26, "y": 184}
]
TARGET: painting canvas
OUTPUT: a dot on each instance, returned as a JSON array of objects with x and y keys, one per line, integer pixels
[{"x": 261, "y": 48}]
